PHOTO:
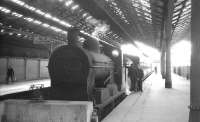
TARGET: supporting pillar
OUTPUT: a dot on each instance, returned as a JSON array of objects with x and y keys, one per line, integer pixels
[
  {"x": 162, "y": 46},
  {"x": 168, "y": 37},
  {"x": 195, "y": 67},
  {"x": 168, "y": 81},
  {"x": 162, "y": 63}
]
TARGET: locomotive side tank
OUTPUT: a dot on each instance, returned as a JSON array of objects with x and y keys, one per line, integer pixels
[{"x": 76, "y": 71}]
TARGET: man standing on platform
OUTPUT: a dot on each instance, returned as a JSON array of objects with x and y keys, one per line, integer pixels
[
  {"x": 132, "y": 73},
  {"x": 140, "y": 78},
  {"x": 10, "y": 75}
]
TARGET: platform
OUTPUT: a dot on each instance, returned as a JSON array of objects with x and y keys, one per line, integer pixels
[
  {"x": 156, "y": 103},
  {"x": 22, "y": 86}
]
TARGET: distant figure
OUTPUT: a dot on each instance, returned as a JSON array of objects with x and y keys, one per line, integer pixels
[
  {"x": 10, "y": 75},
  {"x": 155, "y": 70}
]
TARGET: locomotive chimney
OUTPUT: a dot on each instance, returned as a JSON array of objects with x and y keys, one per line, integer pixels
[
  {"x": 92, "y": 45},
  {"x": 73, "y": 37}
]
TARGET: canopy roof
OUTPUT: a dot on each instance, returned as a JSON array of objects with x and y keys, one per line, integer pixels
[{"x": 112, "y": 21}]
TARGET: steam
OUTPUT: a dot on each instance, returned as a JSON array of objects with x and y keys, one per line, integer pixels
[{"x": 100, "y": 27}]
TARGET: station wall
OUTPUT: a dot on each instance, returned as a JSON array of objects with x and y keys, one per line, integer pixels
[{"x": 24, "y": 68}]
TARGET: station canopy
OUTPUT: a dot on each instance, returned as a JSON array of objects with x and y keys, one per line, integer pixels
[{"x": 111, "y": 21}]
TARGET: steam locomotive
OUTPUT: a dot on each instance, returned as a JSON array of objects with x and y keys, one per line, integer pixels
[{"x": 84, "y": 74}]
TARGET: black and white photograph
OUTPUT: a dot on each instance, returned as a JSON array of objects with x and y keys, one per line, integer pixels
[{"x": 99, "y": 60}]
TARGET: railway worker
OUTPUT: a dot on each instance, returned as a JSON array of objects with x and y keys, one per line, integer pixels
[
  {"x": 130, "y": 70},
  {"x": 132, "y": 73},
  {"x": 140, "y": 79},
  {"x": 10, "y": 75}
]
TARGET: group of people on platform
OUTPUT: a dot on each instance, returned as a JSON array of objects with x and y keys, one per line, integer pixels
[{"x": 136, "y": 75}]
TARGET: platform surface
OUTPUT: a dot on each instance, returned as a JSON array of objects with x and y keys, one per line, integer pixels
[
  {"x": 156, "y": 103},
  {"x": 22, "y": 86}
]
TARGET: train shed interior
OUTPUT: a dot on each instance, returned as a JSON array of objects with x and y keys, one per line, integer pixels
[{"x": 86, "y": 76}]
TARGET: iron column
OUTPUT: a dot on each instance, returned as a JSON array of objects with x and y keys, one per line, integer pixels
[{"x": 195, "y": 66}]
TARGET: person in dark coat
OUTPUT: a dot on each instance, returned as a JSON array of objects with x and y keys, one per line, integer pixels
[
  {"x": 132, "y": 73},
  {"x": 140, "y": 79},
  {"x": 10, "y": 75}
]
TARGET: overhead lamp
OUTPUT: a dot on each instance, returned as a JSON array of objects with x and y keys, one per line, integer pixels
[
  {"x": 19, "y": 34},
  {"x": 178, "y": 7},
  {"x": 115, "y": 53},
  {"x": 147, "y": 18},
  {"x": 174, "y": 21},
  {"x": 68, "y": 3},
  {"x": 65, "y": 23},
  {"x": 39, "y": 12},
  {"x": 5, "y": 10},
  {"x": 174, "y": 18},
  {"x": 84, "y": 15},
  {"x": 55, "y": 19},
  {"x": 89, "y": 17},
  {"x": 55, "y": 29},
  {"x": 37, "y": 22},
  {"x": 45, "y": 25},
  {"x": 16, "y": 14},
  {"x": 75, "y": 7},
  {"x": 147, "y": 14},
  {"x": 48, "y": 15},
  {"x": 21, "y": 3},
  {"x": 61, "y": 21},
  {"x": 28, "y": 19},
  {"x": 30, "y": 7},
  {"x": 2, "y": 30}
]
